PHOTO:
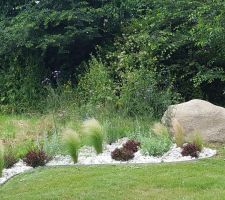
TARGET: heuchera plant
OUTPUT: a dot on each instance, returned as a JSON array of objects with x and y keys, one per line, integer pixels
[
  {"x": 190, "y": 150},
  {"x": 35, "y": 158},
  {"x": 132, "y": 145},
  {"x": 122, "y": 154}
]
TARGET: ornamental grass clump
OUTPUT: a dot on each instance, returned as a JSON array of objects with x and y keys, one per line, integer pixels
[
  {"x": 1, "y": 158},
  {"x": 160, "y": 130},
  {"x": 9, "y": 159},
  {"x": 197, "y": 140},
  {"x": 72, "y": 143},
  {"x": 178, "y": 133},
  {"x": 94, "y": 131}
]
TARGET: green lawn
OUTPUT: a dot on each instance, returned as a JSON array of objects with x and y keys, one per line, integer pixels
[{"x": 204, "y": 179}]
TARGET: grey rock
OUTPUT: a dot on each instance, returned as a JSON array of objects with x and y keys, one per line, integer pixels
[{"x": 198, "y": 115}]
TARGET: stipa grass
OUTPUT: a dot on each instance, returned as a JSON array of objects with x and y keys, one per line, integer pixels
[
  {"x": 94, "y": 131},
  {"x": 72, "y": 143},
  {"x": 160, "y": 130},
  {"x": 178, "y": 133},
  {"x": 197, "y": 140}
]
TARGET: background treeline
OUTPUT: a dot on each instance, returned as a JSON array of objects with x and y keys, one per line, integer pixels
[{"x": 137, "y": 56}]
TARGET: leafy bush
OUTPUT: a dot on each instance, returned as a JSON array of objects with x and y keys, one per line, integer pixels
[
  {"x": 155, "y": 145},
  {"x": 190, "y": 150},
  {"x": 73, "y": 143},
  {"x": 35, "y": 158},
  {"x": 178, "y": 133},
  {"x": 132, "y": 145},
  {"x": 1, "y": 158},
  {"x": 94, "y": 131},
  {"x": 122, "y": 154},
  {"x": 96, "y": 87},
  {"x": 139, "y": 93}
]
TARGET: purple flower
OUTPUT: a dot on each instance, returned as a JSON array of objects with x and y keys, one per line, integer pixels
[{"x": 46, "y": 81}]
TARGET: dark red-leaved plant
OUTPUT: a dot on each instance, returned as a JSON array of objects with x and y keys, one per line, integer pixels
[
  {"x": 190, "y": 150},
  {"x": 132, "y": 145},
  {"x": 122, "y": 154},
  {"x": 35, "y": 158}
]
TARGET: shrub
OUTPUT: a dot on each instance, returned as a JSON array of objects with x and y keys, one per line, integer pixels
[
  {"x": 1, "y": 158},
  {"x": 190, "y": 150},
  {"x": 96, "y": 86},
  {"x": 72, "y": 142},
  {"x": 140, "y": 95},
  {"x": 35, "y": 158},
  {"x": 155, "y": 145},
  {"x": 94, "y": 131},
  {"x": 178, "y": 133},
  {"x": 132, "y": 145},
  {"x": 122, "y": 154}
]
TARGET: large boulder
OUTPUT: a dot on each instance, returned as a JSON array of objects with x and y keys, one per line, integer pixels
[{"x": 198, "y": 115}]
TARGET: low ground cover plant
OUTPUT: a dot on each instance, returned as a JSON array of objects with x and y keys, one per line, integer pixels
[{"x": 157, "y": 142}]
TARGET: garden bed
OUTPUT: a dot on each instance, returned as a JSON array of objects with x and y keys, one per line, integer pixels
[{"x": 87, "y": 156}]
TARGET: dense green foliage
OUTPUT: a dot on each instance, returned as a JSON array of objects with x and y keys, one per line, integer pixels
[{"x": 146, "y": 54}]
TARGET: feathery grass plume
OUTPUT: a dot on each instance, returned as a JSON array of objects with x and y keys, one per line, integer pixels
[
  {"x": 1, "y": 158},
  {"x": 72, "y": 143},
  {"x": 160, "y": 130},
  {"x": 178, "y": 133},
  {"x": 94, "y": 131},
  {"x": 197, "y": 140}
]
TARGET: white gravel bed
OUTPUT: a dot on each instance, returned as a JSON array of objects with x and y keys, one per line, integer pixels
[
  {"x": 87, "y": 156},
  {"x": 18, "y": 168}
]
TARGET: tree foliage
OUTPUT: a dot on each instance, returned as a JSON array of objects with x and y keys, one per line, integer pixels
[{"x": 173, "y": 47}]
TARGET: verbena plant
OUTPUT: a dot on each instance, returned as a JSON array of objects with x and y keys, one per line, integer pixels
[
  {"x": 94, "y": 131},
  {"x": 178, "y": 133},
  {"x": 72, "y": 143}
]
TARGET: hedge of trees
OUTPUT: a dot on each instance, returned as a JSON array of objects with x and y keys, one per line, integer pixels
[{"x": 150, "y": 52}]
